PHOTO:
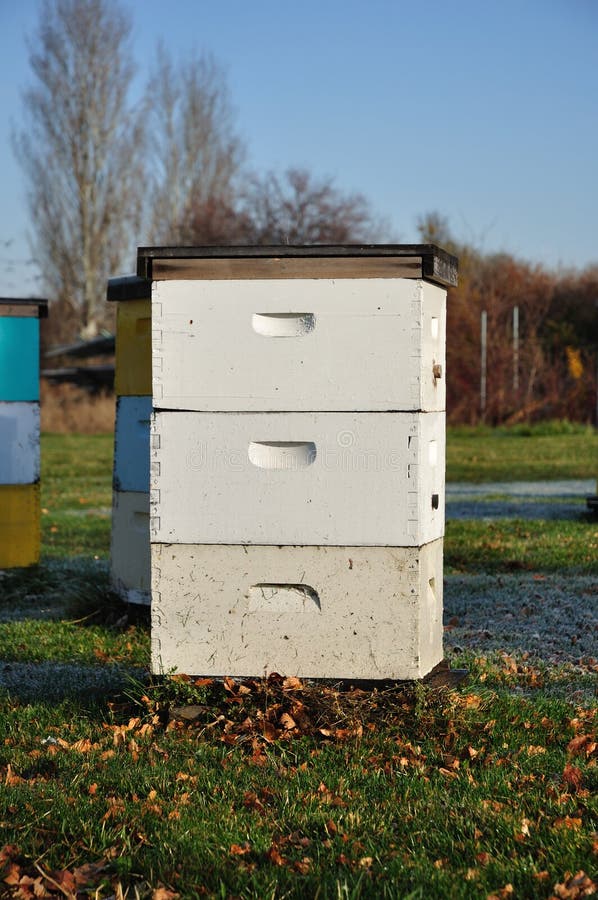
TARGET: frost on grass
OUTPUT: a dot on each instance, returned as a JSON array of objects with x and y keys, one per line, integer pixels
[
  {"x": 55, "y": 681},
  {"x": 551, "y": 617}
]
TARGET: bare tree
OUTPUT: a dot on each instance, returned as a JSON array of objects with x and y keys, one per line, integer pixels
[
  {"x": 79, "y": 149},
  {"x": 434, "y": 228},
  {"x": 301, "y": 209},
  {"x": 296, "y": 208},
  {"x": 194, "y": 155}
]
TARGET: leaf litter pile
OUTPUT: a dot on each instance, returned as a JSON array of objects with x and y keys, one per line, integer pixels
[
  {"x": 229, "y": 788},
  {"x": 258, "y": 712}
]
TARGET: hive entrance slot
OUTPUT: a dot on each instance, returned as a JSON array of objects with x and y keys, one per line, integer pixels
[
  {"x": 289, "y": 324},
  {"x": 282, "y": 597},
  {"x": 281, "y": 454}
]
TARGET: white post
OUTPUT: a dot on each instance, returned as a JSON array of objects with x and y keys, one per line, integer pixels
[
  {"x": 515, "y": 348},
  {"x": 484, "y": 332}
]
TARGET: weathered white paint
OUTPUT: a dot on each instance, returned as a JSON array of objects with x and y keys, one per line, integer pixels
[
  {"x": 19, "y": 443},
  {"x": 302, "y": 345},
  {"x": 370, "y": 479},
  {"x": 130, "y": 546},
  {"x": 131, "y": 443},
  {"x": 218, "y": 610}
]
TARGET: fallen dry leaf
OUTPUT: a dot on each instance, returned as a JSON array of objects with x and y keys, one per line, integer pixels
[
  {"x": 89, "y": 873},
  {"x": 275, "y": 857},
  {"x": 302, "y": 866},
  {"x": 287, "y": 722},
  {"x": 252, "y": 801},
  {"x": 567, "y": 822},
  {"x": 162, "y": 893},
  {"x": 12, "y": 874},
  {"x": 535, "y": 750},
  {"x": 572, "y": 777},
  {"x": 11, "y": 778},
  {"x": 575, "y": 887},
  {"x": 582, "y": 744},
  {"x": 502, "y": 893}
]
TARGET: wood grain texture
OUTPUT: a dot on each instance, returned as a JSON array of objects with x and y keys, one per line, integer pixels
[
  {"x": 212, "y": 269},
  {"x": 432, "y": 262},
  {"x": 23, "y": 307}
]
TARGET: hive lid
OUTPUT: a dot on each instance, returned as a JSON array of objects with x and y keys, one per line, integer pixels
[
  {"x": 128, "y": 287},
  {"x": 314, "y": 261},
  {"x": 26, "y": 307}
]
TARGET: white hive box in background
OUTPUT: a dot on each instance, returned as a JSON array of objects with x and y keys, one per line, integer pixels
[
  {"x": 297, "y": 478},
  {"x": 130, "y": 546},
  {"x": 321, "y": 612},
  {"x": 299, "y": 344},
  {"x": 19, "y": 442},
  {"x": 297, "y": 459}
]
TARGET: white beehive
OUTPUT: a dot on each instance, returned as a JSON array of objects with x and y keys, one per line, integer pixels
[{"x": 297, "y": 459}]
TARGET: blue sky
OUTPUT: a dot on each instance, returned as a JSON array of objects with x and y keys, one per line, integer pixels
[{"x": 484, "y": 111}]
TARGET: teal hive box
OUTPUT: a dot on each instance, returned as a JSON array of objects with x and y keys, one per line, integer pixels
[{"x": 19, "y": 357}]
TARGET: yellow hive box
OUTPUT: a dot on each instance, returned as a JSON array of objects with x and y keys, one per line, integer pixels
[
  {"x": 19, "y": 525},
  {"x": 134, "y": 348}
]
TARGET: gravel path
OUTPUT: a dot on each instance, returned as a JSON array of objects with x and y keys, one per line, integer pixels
[
  {"x": 518, "y": 499},
  {"x": 566, "y": 488}
]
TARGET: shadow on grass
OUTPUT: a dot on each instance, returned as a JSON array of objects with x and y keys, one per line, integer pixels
[
  {"x": 52, "y": 683},
  {"x": 65, "y": 635}
]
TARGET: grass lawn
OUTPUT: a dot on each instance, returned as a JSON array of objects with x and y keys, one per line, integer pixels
[
  {"x": 548, "y": 451},
  {"x": 111, "y": 786}
]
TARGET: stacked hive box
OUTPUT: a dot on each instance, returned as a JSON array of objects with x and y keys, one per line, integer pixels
[
  {"x": 130, "y": 548},
  {"x": 297, "y": 459},
  {"x": 19, "y": 431}
]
